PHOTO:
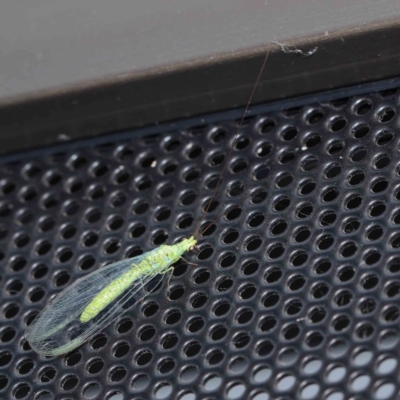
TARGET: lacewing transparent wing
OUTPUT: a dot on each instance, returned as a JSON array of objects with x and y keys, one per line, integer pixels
[
  {"x": 94, "y": 301},
  {"x": 58, "y": 329}
]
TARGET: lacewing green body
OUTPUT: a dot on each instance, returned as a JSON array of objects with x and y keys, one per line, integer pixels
[{"x": 94, "y": 301}]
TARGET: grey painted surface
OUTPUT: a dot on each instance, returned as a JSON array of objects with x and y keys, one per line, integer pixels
[{"x": 46, "y": 44}]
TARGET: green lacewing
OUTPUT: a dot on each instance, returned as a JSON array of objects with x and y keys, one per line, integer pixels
[{"x": 92, "y": 302}]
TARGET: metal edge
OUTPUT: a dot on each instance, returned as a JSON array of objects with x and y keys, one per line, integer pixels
[{"x": 296, "y": 67}]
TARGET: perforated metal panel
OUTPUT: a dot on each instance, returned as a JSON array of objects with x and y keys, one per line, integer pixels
[{"x": 296, "y": 290}]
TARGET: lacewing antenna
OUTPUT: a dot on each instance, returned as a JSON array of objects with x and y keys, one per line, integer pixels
[
  {"x": 211, "y": 224},
  {"x": 196, "y": 233}
]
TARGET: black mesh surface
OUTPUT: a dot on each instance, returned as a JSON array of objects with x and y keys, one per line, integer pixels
[{"x": 296, "y": 290}]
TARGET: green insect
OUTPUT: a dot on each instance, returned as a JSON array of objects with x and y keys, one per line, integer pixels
[
  {"x": 94, "y": 301},
  {"x": 91, "y": 303}
]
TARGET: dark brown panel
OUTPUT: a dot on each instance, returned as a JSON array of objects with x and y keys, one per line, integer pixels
[{"x": 299, "y": 67}]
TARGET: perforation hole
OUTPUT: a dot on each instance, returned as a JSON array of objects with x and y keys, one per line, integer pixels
[
  {"x": 86, "y": 262},
  {"x": 42, "y": 247},
  {"x": 353, "y": 201},
  {"x": 309, "y": 163},
  {"x": 301, "y": 234},
  {"x": 98, "y": 169},
  {"x": 346, "y": 274},
  {"x": 39, "y": 271},
  {"x": 272, "y": 275},
  {"x": 6, "y": 187},
  {"x": 192, "y": 349},
  {"x": 250, "y": 267},
  {"x": 376, "y": 209},
  {"x": 358, "y": 154},
  {"x": 384, "y": 137},
  {"x": 385, "y": 114},
  {"x": 198, "y": 300},
  {"x": 355, "y": 177},
  {"x": 278, "y": 227},
  {"x": 293, "y": 307},
  {"x": 219, "y": 135},
  {"x": 21, "y": 240},
  {"x": 195, "y": 324},
  {"x": 171, "y": 145},
  {"x": 96, "y": 192},
  {"x": 296, "y": 282},
  {"x": 281, "y": 203},
  {"x": 275, "y": 251},
  {"x": 52, "y": 178},
  {"x": 224, "y": 284},
  {"x": 391, "y": 314},
  {"x": 312, "y": 140},
  {"x": 3, "y": 232},
  {"x": 304, "y": 211},
  {"x": 284, "y": 180},
  {"x": 21, "y": 391},
  {"x": 335, "y": 147},
  {"x": 286, "y": 157},
  {"x": 299, "y": 258},
  {"x": 36, "y": 294},
  {"x": 270, "y": 299},
  {"x": 169, "y": 341},
  {"x": 381, "y": 161},
  {"x": 162, "y": 214},
  {"x": 261, "y": 172},
  {"x": 201, "y": 276},
  {"x": 332, "y": 171},
  {"x": 363, "y": 107},
  {"x": 111, "y": 246},
  {"x": 325, "y": 242},
  {"x": 10, "y": 311},
  {"x": 267, "y": 126},
  {"x": 13, "y": 287},
  {"x": 31, "y": 171},
  {"x": 23, "y": 217},
  {"x": 360, "y": 131},
  {"x": 263, "y": 149},
  {"x": 240, "y": 165},
  {"x": 289, "y": 133},
  {"x": 316, "y": 315},
  {"x": 241, "y": 340},
  {"x": 393, "y": 265},
  {"x": 143, "y": 357},
  {"x": 374, "y": 232},
  {"x": 330, "y": 194},
  {"x": 242, "y": 143},
  {"x": 379, "y": 185},
  {"x": 5, "y": 358},
  {"x": 327, "y": 218},
  {"x": 255, "y": 219},
  {"x": 144, "y": 183},
  {"x": 70, "y": 208},
  {"x": 315, "y": 116},
  {"x": 18, "y": 263},
  {"x": 98, "y": 342},
  {"x": 337, "y": 124},
  {"x": 366, "y": 306},
  {"x": 319, "y": 290},
  {"x": 46, "y": 224},
  {"x": 89, "y": 239},
  {"x": 230, "y": 237},
  {"x": 306, "y": 187},
  {"x": 372, "y": 257}
]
